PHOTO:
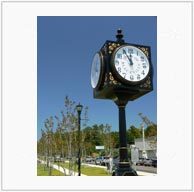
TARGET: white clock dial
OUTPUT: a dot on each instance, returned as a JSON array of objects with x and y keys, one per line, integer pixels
[
  {"x": 131, "y": 64},
  {"x": 96, "y": 70}
]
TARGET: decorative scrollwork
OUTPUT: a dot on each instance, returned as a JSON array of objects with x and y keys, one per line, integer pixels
[
  {"x": 145, "y": 50},
  {"x": 112, "y": 80},
  {"x": 112, "y": 46},
  {"x": 147, "y": 84}
]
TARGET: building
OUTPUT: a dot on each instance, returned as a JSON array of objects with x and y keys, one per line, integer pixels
[{"x": 150, "y": 147}]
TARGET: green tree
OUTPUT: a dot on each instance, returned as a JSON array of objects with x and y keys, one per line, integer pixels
[
  {"x": 151, "y": 131},
  {"x": 115, "y": 139},
  {"x": 132, "y": 134},
  {"x": 96, "y": 135},
  {"x": 42, "y": 144}
]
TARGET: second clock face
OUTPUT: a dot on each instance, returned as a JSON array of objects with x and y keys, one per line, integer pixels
[
  {"x": 130, "y": 64},
  {"x": 96, "y": 70}
]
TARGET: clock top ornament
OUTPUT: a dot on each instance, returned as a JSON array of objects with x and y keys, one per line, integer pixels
[{"x": 121, "y": 71}]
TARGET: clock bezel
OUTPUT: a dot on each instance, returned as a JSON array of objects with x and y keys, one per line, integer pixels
[
  {"x": 101, "y": 75},
  {"x": 116, "y": 73}
]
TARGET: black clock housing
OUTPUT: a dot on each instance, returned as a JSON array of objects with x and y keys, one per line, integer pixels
[{"x": 112, "y": 83}]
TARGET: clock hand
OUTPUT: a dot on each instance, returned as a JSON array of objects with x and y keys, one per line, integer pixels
[{"x": 130, "y": 60}]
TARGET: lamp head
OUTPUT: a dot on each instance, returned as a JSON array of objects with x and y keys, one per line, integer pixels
[{"x": 79, "y": 108}]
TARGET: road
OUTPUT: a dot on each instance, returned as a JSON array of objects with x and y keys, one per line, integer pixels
[{"x": 146, "y": 169}]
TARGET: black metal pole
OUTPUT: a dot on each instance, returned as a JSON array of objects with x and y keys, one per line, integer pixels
[
  {"x": 79, "y": 150},
  {"x": 124, "y": 168},
  {"x": 122, "y": 136}
]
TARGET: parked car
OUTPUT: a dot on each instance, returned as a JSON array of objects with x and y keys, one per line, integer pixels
[
  {"x": 57, "y": 158},
  {"x": 148, "y": 162},
  {"x": 88, "y": 159},
  {"x": 105, "y": 160},
  {"x": 141, "y": 161},
  {"x": 98, "y": 160},
  {"x": 154, "y": 162}
]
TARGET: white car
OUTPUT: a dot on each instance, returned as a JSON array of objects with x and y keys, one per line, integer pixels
[{"x": 148, "y": 162}]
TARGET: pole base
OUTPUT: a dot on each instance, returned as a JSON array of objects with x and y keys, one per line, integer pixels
[{"x": 124, "y": 171}]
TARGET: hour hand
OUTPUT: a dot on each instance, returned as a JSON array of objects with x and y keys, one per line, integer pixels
[{"x": 129, "y": 58}]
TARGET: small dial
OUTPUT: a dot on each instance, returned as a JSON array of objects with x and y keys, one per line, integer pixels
[
  {"x": 97, "y": 70},
  {"x": 130, "y": 64}
]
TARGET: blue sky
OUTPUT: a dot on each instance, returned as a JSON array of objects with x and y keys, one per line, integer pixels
[{"x": 66, "y": 46}]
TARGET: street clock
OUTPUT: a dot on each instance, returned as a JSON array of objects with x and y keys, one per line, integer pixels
[
  {"x": 122, "y": 72},
  {"x": 121, "y": 66}
]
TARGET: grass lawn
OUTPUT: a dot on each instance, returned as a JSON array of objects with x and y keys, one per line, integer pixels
[
  {"x": 89, "y": 171},
  {"x": 94, "y": 171},
  {"x": 42, "y": 170}
]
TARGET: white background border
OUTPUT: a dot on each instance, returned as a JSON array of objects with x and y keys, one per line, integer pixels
[{"x": 19, "y": 93}]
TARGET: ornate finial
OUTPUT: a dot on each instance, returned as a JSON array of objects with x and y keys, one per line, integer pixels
[{"x": 119, "y": 35}]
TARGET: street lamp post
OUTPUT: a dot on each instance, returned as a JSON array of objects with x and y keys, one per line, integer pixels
[
  {"x": 79, "y": 110},
  {"x": 144, "y": 154}
]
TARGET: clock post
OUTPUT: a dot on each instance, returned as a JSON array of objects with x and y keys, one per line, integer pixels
[
  {"x": 122, "y": 72},
  {"x": 124, "y": 168}
]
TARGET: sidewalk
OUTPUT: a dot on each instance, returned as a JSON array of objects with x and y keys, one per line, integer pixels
[{"x": 66, "y": 171}]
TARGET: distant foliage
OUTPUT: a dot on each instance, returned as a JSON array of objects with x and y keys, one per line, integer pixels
[
  {"x": 151, "y": 131},
  {"x": 60, "y": 135}
]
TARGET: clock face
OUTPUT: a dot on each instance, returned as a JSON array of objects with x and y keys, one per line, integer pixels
[
  {"x": 96, "y": 70},
  {"x": 130, "y": 64}
]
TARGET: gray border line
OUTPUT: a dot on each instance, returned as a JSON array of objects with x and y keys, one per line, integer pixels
[
  {"x": 94, "y": 2},
  {"x": 92, "y": 189},
  {"x": 192, "y": 90},
  {"x": 1, "y": 95}
]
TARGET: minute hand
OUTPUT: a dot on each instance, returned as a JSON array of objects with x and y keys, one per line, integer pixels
[{"x": 129, "y": 58}]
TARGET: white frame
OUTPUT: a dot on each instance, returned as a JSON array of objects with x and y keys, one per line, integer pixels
[{"x": 171, "y": 17}]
